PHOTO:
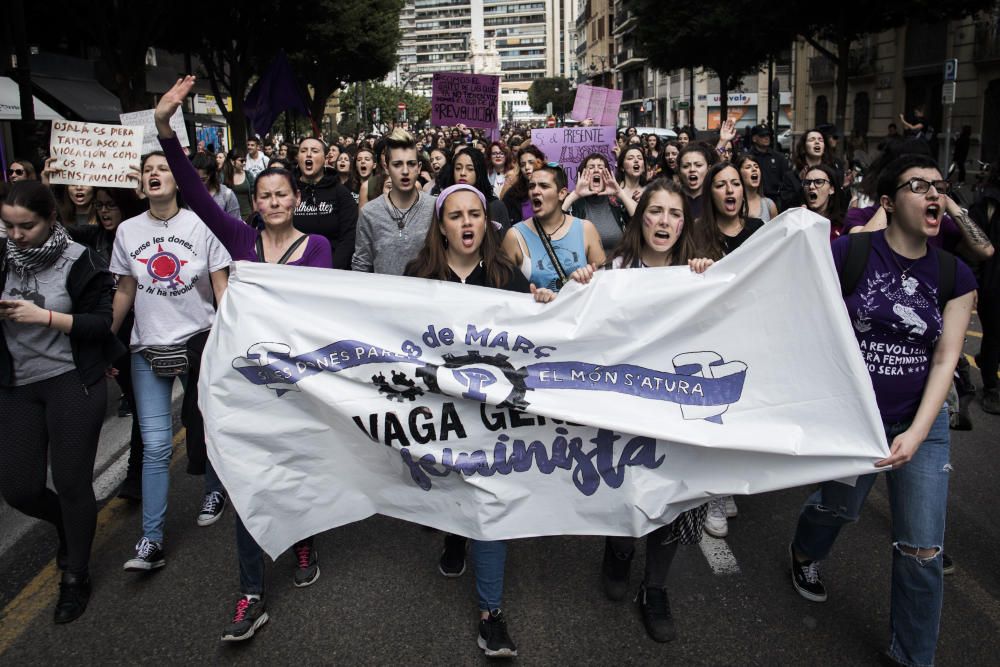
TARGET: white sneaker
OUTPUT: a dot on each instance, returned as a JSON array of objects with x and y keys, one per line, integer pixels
[
  {"x": 731, "y": 510},
  {"x": 716, "y": 524}
]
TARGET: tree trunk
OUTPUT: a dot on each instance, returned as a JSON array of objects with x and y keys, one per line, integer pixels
[
  {"x": 843, "y": 67},
  {"x": 723, "y": 98}
]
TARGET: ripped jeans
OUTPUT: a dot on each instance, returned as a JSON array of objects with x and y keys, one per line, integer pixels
[{"x": 918, "y": 494}]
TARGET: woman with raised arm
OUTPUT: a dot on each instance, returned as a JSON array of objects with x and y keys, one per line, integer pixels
[{"x": 276, "y": 197}]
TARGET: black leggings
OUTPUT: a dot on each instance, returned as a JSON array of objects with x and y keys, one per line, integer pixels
[
  {"x": 661, "y": 547},
  {"x": 56, "y": 421}
]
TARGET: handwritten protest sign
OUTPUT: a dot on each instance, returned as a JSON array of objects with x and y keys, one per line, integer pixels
[
  {"x": 95, "y": 154},
  {"x": 569, "y": 146},
  {"x": 470, "y": 99},
  {"x": 599, "y": 104},
  {"x": 144, "y": 119}
]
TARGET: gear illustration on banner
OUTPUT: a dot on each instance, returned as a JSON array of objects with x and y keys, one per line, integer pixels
[
  {"x": 402, "y": 388},
  {"x": 471, "y": 365}
]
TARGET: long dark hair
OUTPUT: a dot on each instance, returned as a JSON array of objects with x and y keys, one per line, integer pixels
[
  {"x": 629, "y": 248},
  {"x": 432, "y": 260},
  {"x": 519, "y": 190},
  {"x": 207, "y": 163},
  {"x": 709, "y": 235},
  {"x": 799, "y": 158},
  {"x": 229, "y": 169},
  {"x": 34, "y": 196},
  {"x": 446, "y": 177}
]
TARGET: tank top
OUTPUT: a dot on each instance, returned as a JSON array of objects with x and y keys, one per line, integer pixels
[{"x": 570, "y": 250}]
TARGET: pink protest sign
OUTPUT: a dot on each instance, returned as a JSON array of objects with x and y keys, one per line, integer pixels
[
  {"x": 599, "y": 104},
  {"x": 470, "y": 99},
  {"x": 569, "y": 146}
]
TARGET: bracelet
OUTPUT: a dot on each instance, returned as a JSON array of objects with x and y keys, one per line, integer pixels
[{"x": 49, "y": 325}]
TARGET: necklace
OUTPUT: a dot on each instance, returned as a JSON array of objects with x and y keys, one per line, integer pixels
[
  {"x": 903, "y": 272},
  {"x": 166, "y": 219},
  {"x": 397, "y": 214},
  {"x": 538, "y": 223}
]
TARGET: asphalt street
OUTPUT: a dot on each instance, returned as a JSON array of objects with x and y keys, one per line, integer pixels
[{"x": 381, "y": 600}]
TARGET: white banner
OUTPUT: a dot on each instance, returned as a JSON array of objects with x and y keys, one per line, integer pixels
[
  {"x": 330, "y": 396},
  {"x": 95, "y": 154},
  {"x": 145, "y": 120}
]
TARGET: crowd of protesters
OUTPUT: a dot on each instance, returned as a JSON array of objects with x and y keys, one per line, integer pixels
[{"x": 89, "y": 293}]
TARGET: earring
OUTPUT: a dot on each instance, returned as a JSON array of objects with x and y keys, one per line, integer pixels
[{"x": 445, "y": 239}]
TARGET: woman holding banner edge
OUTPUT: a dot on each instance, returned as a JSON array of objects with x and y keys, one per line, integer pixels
[
  {"x": 276, "y": 197},
  {"x": 458, "y": 248}
]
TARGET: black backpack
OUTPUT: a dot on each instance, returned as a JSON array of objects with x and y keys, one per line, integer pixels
[{"x": 860, "y": 245}]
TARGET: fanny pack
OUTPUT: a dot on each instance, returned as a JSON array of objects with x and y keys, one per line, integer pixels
[{"x": 167, "y": 361}]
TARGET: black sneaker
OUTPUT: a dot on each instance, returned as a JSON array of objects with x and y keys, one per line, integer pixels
[
  {"x": 614, "y": 572},
  {"x": 124, "y": 408},
  {"x": 452, "y": 561},
  {"x": 212, "y": 507},
  {"x": 493, "y": 637},
  {"x": 991, "y": 401},
  {"x": 148, "y": 556},
  {"x": 74, "y": 593},
  {"x": 805, "y": 578},
  {"x": 655, "y": 608},
  {"x": 249, "y": 616},
  {"x": 948, "y": 564},
  {"x": 307, "y": 569}
]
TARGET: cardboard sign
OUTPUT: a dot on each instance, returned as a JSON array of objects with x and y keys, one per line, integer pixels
[
  {"x": 95, "y": 154},
  {"x": 599, "y": 104},
  {"x": 470, "y": 99},
  {"x": 569, "y": 146},
  {"x": 144, "y": 119}
]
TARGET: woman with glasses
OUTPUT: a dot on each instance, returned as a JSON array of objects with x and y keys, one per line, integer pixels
[
  {"x": 500, "y": 165},
  {"x": 902, "y": 294},
  {"x": 21, "y": 170},
  {"x": 822, "y": 196}
]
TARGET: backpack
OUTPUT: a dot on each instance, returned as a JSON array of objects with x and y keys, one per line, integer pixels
[{"x": 860, "y": 245}]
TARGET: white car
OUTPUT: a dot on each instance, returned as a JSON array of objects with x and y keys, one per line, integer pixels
[
  {"x": 663, "y": 133},
  {"x": 785, "y": 140}
]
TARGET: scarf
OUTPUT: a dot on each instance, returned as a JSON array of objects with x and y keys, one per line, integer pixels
[{"x": 32, "y": 260}]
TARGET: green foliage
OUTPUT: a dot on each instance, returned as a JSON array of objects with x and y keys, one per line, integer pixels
[
  {"x": 556, "y": 90},
  {"x": 385, "y": 98}
]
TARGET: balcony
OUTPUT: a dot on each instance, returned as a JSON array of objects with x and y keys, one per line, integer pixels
[
  {"x": 624, "y": 22},
  {"x": 628, "y": 59},
  {"x": 987, "y": 44},
  {"x": 860, "y": 63}
]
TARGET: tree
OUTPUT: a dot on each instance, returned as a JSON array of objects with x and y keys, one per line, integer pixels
[
  {"x": 343, "y": 41},
  {"x": 386, "y": 98},
  {"x": 556, "y": 90},
  {"x": 844, "y": 22},
  {"x": 731, "y": 38}
]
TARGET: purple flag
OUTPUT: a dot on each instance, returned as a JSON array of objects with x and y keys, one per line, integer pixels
[{"x": 273, "y": 93}]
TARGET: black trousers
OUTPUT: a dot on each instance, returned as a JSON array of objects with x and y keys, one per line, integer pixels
[{"x": 55, "y": 422}]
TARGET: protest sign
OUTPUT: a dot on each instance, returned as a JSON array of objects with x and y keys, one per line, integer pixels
[
  {"x": 470, "y": 99},
  {"x": 480, "y": 412},
  {"x": 145, "y": 120},
  {"x": 598, "y": 104},
  {"x": 95, "y": 154},
  {"x": 569, "y": 146}
]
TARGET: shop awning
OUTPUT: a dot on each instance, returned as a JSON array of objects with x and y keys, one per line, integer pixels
[
  {"x": 10, "y": 103},
  {"x": 84, "y": 97}
]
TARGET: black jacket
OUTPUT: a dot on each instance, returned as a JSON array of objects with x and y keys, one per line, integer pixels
[
  {"x": 779, "y": 182},
  {"x": 90, "y": 287},
  {"x": 328, "y": 209}
]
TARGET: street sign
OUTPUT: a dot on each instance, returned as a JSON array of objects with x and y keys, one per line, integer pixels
[
  {"x": 401, "y": 106},
  {"x": 683, "y": 104},
  {"x": 948, "y": 93},
  {"x": 951, "y": 69}
]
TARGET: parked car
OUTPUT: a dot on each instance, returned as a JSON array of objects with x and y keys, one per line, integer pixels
[
  {"x": 785, "y": 140},
  {"x": 663, "y": 133}
]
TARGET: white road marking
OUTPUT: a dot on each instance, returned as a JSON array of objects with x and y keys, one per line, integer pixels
[{"x": 719, "y": 557}]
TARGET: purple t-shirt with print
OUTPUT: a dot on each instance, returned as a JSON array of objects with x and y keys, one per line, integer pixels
[{"x": 897, "y": 322}]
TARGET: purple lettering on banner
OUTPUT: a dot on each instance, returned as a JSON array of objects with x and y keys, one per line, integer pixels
[
  {"x": 469, "y": 99},
  {"x": 569, "y": 146}
]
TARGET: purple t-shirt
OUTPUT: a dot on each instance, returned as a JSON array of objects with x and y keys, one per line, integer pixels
[
  {"x": 239, "y": 238},
  {"x": 897, "y": 322},
  {"x": 948, "y": 238}
]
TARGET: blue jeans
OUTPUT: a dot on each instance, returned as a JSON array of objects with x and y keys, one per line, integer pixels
[
  {"x": 251, "y": 558},
  {"x": 488, "y": 561},
  {"x": 152, "y": 404},
  {"x": 918, "y": 495}
]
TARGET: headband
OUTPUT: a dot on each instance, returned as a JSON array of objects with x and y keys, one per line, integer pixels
[{"x": 452, "y": 189}]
